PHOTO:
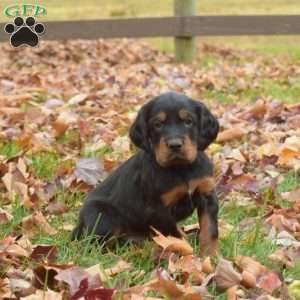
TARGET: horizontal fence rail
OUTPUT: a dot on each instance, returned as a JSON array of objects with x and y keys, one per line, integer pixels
[{"x": 188, "y": 26}]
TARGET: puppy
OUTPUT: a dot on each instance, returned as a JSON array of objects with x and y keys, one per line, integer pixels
[{"x": 165, "y": 181}]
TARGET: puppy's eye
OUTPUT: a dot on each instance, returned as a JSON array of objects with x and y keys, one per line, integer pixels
[
  {"x": 188, "y": 122},
  {"x": 158, "y": 124}
]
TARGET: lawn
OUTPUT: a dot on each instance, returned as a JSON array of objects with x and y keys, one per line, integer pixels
[{"x": 80, "y": 104}]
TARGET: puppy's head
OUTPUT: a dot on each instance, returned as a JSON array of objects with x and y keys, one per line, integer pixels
[{"x": 174, "y": 128}]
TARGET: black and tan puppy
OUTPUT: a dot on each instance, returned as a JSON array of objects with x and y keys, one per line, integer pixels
[{"x": 165, "y": 181}]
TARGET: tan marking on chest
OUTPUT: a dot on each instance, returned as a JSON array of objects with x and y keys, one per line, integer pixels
[
  {"x": 203, "y": 185},
  {"x": 171, "y": 197}
]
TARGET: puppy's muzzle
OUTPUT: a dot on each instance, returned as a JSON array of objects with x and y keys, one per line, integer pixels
[{"x": 175, "y": 144}]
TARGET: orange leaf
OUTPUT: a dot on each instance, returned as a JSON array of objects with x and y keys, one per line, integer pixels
[
  {"x": 59, "y": 128},
  {"x": 250, "y": 265},
  {"x": 269, "y": 282},
  {"x": 230, "y": 134},
  {"x": 189, "y": 265},
  {"x": 226, "y": 275},
  {"x": 231, "y": 293},
  {"x": 172, "y": 244},
  {"x": 249, "y": 280},
  {"x": 121, "y": 266},
  {"x": 36, "y": 223}
]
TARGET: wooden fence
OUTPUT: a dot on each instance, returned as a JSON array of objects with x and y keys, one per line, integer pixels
[{"x": 184, "y": 28}]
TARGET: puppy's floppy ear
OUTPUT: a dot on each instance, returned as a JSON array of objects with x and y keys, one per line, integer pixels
[
  {"x": 208, "y": 126},
  {"x": 138, "y": 132}
]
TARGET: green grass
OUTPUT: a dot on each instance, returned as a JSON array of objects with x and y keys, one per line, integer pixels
[
  {"x": 267, "y": 88},
  {"x": 239, "y": 241},
  {"x": 18, "y": 212},
  {"x": 100, "y": 153},
  {"x": 290, "y": 182},
  {"x": 9, "y": 149},
  {"x": 276, "y": 44},
  {"x": 293, "y": 272},
  {"x": 44, "y": 164},
  {"x": 280, "y": 91}
]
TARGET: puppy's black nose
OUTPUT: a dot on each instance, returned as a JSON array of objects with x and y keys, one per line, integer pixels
[{"x": 175, "y": 144}]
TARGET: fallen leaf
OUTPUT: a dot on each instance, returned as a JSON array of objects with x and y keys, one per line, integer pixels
[
  {"x": 77, "y": 99},
  {"x": 59, "y": 128},
  {"x": 243, "y": 182},
  {"x": 282, "y": 223},
  {"x": 284, "y": 238},
  {"x": 248, "y": 280},
  {"x": 21, "y": 287},
  {"x": 188, "y": 266},
  {"x": 99, "y": 293},
  {"x": 231, "y": 134},
  {"x": 5, "y": 216},
  {"x": 53, "y": 103},
  {"x": 89, "y": 170},
  {"x": 207, "y": 265},
  {"x": 250, "y": 265},
  {"x": 226, "y": 276},
  {"x": 22, "y": 167},
  {"x": 57, "y": 208},
  {"x": 269, "y": 282},
  {"x": 97, "y": 270},
  {"x": 73, "y": 277},
  {"x": 44, "y": 252},
  {"x": 44, "y": 295},
  {"x": 167, "y": 287},
  {"x": 68, "y": 227},
  {"x": 267, "y": 297},
  {"x": 236, "y": 154},
  {"x": 5, "y": 291},
  {"x": 293, "y": 196},
  {"x": 172, "y": 244},
  {"x": 8, "y": 182},
  {"x": 16, "y": 250},
  {"x": 232, "y": 293},
  {"x": 294, "y": 290},
  {"x": 281, "y": 256},
  {"x": 191, "y": 228},
  {"x": 44, "y": 275},
  {"x": 288, "y": 157},
  {"x": 121, "y": 266},
  {"x": 36, "y": 223},
  {"x": 225, "y": 229},
  {"x": 257, "y": 110}
]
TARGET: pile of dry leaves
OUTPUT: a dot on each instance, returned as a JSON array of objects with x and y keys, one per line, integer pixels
[{"x": 76, "y": 101}]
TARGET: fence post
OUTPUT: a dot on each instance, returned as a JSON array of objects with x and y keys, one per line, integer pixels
[{"x": 185, "y": 47}]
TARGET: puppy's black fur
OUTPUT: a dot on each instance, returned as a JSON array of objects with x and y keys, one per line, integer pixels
[{"x": 165, "y": 181}]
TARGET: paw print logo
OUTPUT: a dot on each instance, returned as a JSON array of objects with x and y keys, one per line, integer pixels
[{"x": 24, "y": 33}]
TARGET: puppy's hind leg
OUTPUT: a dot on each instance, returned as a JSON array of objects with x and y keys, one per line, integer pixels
[
  {"x": 84, "y": 229},
  {"x": 100, "y": 219}
]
